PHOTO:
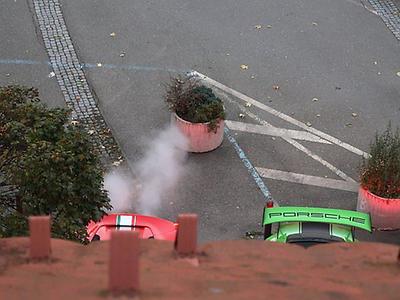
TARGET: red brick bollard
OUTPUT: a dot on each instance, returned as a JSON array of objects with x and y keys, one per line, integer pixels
[
  {"x": 398, "y": 258},
  {"x": 39, "y": 230},
  {"x": 124, "y": 262},
  {"x": 186, "y": 239}
]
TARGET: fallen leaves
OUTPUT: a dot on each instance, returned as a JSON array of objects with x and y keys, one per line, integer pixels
[
  {"x": 116, "y": 163},
  {"x": 259, "y": 26}
]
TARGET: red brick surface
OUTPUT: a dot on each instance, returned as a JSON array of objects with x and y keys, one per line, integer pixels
[
  {"x": 39, "y": 229},
  {"x": 124, "y": 261},
  {"x": 226, "y": 270},
  {"x": 186, "y": 242}
]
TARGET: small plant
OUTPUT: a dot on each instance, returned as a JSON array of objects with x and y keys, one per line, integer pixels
[
  {"x": 380, "y": 173},
  {"x": 193, "y": 102}
]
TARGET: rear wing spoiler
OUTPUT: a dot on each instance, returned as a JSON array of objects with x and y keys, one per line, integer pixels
[{"x": 314, "y": 214}]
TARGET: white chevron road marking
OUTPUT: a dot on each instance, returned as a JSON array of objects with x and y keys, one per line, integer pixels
[
  {"x": 279, "y": 114},
  {"x": 309, "y": 180},
  {"x": 275, "y": 131}
]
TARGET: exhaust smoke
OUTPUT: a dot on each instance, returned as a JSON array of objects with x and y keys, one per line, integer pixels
[
  {"x": 161, "y": 168},
  {"x": 156, "y": 174}
]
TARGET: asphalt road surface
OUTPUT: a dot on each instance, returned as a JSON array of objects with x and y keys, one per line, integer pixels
[{"x": 329, "y": 65}]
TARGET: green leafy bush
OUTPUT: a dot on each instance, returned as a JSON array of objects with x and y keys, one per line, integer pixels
[
  {"x": 380, "y": 173},
  {"x": 194, "y": 102},
  {"x": 49, "y": 164}
]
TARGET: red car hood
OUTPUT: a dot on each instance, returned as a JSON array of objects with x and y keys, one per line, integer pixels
[{"x": 148, "y": 227}]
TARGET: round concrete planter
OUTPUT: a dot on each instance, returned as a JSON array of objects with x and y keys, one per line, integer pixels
[
  {"x": 200, "y": 139},
  {"x": 385, "y": 212}
]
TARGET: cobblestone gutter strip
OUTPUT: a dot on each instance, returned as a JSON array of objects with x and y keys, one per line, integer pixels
[
  {"x": 389, "y": 13},
  {"x": 72, "y": 79}
]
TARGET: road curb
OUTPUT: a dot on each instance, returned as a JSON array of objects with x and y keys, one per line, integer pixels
[
  {"x": 389, "y": 13},
  {"x": 72, "y": 80}
]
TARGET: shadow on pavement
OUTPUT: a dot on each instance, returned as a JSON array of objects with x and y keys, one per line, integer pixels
[{"x": 377, "y": 236}]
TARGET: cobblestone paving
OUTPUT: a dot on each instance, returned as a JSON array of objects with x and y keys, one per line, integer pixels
[
  {"x": 72, "y": 80},
  {"x": 389, "y": 13}
]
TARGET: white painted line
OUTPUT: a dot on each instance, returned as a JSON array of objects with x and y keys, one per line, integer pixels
[
  {"x": 274, "y": 131},
  {"x": 292, "y": 142},
  {"x": 279, "y": 114},
  {"x": 331, "y": 167},
  {"x": 308, "y": 179}
]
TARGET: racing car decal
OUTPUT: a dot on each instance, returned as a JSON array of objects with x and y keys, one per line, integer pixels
[
  {"x": 125, "y": 222},
  {"x": 314, "y": 214},
  {"x": 308, "y": 226}
]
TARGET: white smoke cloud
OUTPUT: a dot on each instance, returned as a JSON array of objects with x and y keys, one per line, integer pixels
[
  {"x": 120, "y": 191},
  {"x": 161, "y": 168},
  {"x": 157, "y": 173}
]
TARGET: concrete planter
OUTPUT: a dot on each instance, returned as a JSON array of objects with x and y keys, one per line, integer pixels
[
  {"x": 200, "y": 139},
  {"x": 385, "y": 212}
]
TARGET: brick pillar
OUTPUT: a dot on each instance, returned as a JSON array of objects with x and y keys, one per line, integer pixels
[
  {"x": 186, "y": 239},
  {"x": 124, "y": 262},
  {"x": 39, "y": 229}
]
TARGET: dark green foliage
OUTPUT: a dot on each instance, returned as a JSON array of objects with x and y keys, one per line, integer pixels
[
  {"x": 50, "y": 164},
  {"x": 380, "y": 173},
  {"x": 194, "y": 102}
]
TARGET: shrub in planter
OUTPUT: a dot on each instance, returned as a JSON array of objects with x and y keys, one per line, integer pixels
[
  {"x": 198, "y": 112},
  {"x": 380, "y": 180}
]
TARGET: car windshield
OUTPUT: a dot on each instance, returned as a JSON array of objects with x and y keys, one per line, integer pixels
[
  {"x": 310, "y": 243},
  {"x": 312, "y": 233}
]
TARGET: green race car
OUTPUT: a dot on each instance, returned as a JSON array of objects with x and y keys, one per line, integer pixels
[{"x": 311, "y": 225}]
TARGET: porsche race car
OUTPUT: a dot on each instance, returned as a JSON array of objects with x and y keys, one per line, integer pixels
[
  {"x": 308, "y": 226},
  {"x": 149, "y": 227}
]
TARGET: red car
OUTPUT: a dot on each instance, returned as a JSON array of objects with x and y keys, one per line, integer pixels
[{"x": 148, "y": 227}]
